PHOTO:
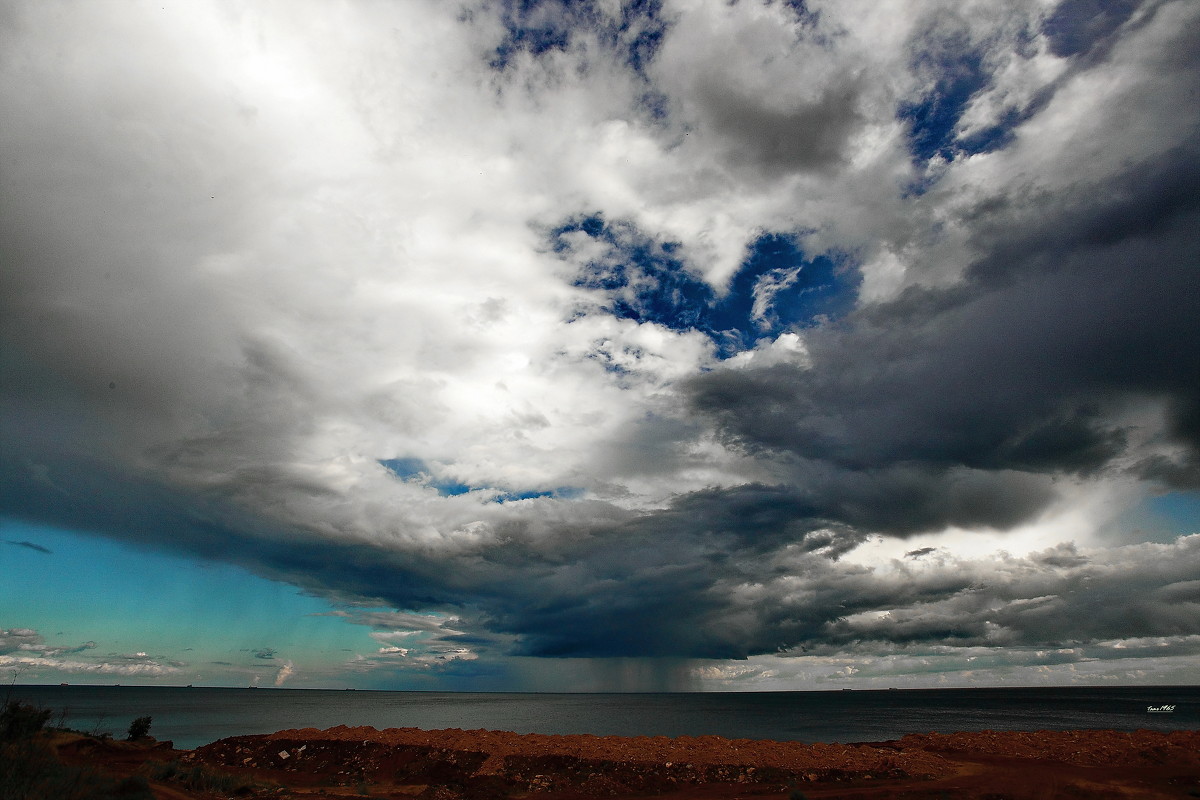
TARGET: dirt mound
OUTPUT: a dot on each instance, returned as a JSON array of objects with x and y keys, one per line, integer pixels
[
  {"x": 343, "y": 763},
  {"x": 1084, "y": 748},
  {"x": 595, "y": 765},
  {"x": 457, "y": 763}
]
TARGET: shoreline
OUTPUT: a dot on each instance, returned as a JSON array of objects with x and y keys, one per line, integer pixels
[
  {"x": 453, "y": 764},
  {"x": 193, "y": 717}
]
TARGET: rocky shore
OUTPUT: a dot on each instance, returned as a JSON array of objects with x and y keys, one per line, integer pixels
[{"x": 453, "y": 764}]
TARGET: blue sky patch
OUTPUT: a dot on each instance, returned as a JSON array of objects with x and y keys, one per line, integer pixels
[
  {"x": 778, "y": 288},
  {"x": 416, "y": 470},
  {"x": 1161, "y": 518},
  {"x": 961, "y": 74},
  {"x": 561, "y": 493},
  {"x": 803, "y": 12},
  {"x": 405, "y": 468},
  {"x": 93, "y": 588},
  {"x": 525, "y": 33},
  {"x": 1180, "y": 509},
  {"x": 933, "y": 118},
  {"x": 539, "y": 26}
]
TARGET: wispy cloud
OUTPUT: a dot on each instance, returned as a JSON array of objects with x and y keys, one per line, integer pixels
[
  {"x": 26, "y": 648},
  {"x": 30, "y": 545}
]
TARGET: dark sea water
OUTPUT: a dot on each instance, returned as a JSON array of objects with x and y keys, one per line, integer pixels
[{"x": 191, "y": 717}]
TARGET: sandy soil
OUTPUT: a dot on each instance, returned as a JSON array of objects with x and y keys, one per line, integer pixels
[{"x": 456, "y": 765}]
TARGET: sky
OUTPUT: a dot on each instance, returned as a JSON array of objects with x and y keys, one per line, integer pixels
[{"x": 600, "y": 345}]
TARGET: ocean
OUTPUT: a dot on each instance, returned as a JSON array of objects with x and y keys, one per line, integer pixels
[{"x": 191, "y": 717}]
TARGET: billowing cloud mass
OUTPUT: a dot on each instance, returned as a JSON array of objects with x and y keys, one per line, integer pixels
[{"x": 657, "y": 329}]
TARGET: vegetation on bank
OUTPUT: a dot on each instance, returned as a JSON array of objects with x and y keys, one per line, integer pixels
[
  {"x": 197, "y": 778},
  {"x": 30, "y": 770},
  {"x": 139, "y": 729}
]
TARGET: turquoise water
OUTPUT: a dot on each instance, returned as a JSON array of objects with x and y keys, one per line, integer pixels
[{"x": 191, "y": 717}]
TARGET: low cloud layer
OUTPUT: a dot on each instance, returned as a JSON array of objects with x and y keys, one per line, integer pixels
[
  {"x": 24, "y": 650},
  {"x": 668, "y": 330}
]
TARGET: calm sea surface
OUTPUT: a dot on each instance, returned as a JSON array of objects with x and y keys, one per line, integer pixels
[{"x": 191, "y": 717}]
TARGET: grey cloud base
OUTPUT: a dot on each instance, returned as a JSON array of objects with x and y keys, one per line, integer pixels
[{"x": 719, "y": 575}]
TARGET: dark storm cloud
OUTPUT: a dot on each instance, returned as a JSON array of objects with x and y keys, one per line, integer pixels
[
  {"x": 1078, "y": 314},
  {"x": 720, "y": 574},
  {"x": 126, "y": 413},
  {"x": 732, "y": 574},
  {"x": 944, "y": 407},
  {"x": 808, "y": 136},
  {"x": 1077, "y": 26},
  {"x": 1142, "y": 591},
  {"x": 731, "y": 602}
]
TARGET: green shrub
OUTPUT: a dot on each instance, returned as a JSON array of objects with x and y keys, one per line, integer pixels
[
  {"x": 139, "y": 728},
  {"x": 20, "y": 721},
  {"x": 134, "y": 787},
  {"x": 30, "y": 771},
  {"x": 198, "y": 778}
]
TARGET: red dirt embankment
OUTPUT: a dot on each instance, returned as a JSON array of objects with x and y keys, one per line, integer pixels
[{"x": 401, "y": 762}]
